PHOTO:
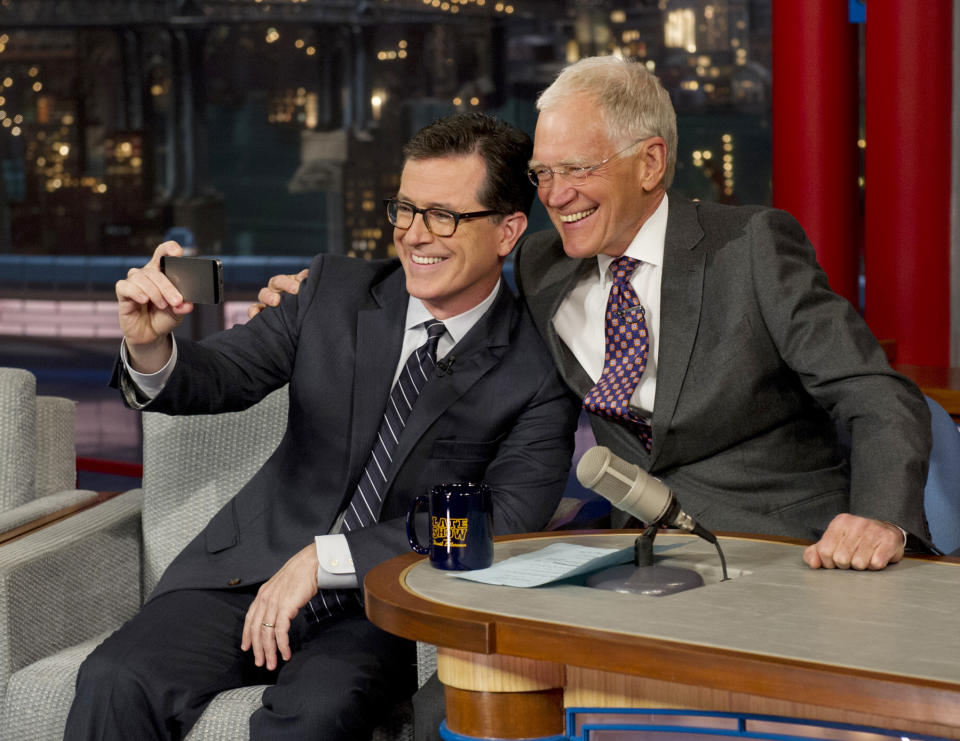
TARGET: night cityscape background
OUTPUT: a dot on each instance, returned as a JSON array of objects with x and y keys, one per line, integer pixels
[{"x": 275, "y": 127}]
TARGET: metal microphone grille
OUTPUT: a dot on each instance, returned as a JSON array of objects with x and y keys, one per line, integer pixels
[{"x": 605, "y": 473}]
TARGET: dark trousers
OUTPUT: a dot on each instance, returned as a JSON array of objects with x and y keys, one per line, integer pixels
[
  {"x": 153, "y": 678},
  {"x": 429, "y": 709}
]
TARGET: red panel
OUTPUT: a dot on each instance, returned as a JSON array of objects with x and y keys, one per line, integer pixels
[
  {"x": 907, "y": 229},
  {"x": 815, "y": 131}
]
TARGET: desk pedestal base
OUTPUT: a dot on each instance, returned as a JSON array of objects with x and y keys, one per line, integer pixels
[{"x": 498, "y": 696}]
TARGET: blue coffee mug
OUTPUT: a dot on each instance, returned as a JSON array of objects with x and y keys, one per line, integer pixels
[{"x": 461, "y": 526}]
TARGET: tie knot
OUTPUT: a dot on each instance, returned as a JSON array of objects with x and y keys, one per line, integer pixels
[
  {"x": 622, "y": 268},
  {"x": 434, "y": 328}
]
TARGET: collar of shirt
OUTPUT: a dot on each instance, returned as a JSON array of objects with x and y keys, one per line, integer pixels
[
  {"x": 647, "y": 245},
  {"x": 456, "y": 327}
]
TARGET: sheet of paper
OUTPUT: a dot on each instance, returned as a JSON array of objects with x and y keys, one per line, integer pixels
[{"x": 549, "y": 564}]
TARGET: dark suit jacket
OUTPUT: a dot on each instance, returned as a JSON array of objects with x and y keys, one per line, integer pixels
[
  {"x": 502, "y": 416},
  {"x": 759, "y": 365}
]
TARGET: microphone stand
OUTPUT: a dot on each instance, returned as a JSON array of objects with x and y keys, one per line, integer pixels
[{"x": 644, "y": 576}]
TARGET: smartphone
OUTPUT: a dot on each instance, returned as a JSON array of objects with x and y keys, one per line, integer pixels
[{"x": 199, "y": 279}]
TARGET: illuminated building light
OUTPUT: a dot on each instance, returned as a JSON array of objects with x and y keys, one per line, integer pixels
[
  {"x": 707, "y": 154},
  {"x": 680, "y": 30},
  {"x": 37, "y": 86},
  {"x": 33, "y": 71},
  {"x": 18, "y": 119},
  {"x": 457, "y": 101},
  {"x": 7, "y": 123},
  {"x": 862, "y": 143},
  {"x": 299, "y": 43},
  {"x": 15, "y": 131},
  {"x": 474, "y": 100},
  {"x": 618, "y": 16},
  {"x": 7, "y": 81},
  {"x": 311, "y": 50}
]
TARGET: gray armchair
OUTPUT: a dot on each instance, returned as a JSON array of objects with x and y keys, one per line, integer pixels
[
  {"x": 62, "y": 590},
  {"x": 37, "y": 451}
]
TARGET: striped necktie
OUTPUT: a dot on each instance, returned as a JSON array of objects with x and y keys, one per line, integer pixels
[
  {"x": 626, "y": 354},
  {"x": 364, "y": 507}
]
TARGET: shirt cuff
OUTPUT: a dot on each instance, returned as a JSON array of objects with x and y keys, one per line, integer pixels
[
  {"x": 335, "y": 570},
  {"x": 904, "y": 532},
  {"x": 150, "y": 384}
]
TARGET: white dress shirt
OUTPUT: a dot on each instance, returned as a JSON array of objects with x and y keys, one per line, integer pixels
[
  {"x": 336, "y": 570},
  {"x": 580, "y": 320}
]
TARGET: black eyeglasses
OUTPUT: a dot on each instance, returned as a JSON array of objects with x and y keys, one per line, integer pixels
[{"x": 439, "y": 221}]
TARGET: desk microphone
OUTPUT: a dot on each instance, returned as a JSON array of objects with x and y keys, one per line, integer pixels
[
  {"x": 630, "y": 488},
  {"x": 445, "y": 365}
]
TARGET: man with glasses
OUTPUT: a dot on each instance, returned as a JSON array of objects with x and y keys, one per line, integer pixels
[
  {"x": 402, "y": 374},
  {"x": 746, "y": 367}
]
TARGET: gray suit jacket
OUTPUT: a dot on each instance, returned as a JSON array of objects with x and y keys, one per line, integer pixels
[
  {"x": 760, "y": 366},
  {"x": 502, "y": 416}
]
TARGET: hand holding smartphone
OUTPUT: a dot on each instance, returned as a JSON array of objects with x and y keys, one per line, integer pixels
[{"x": 199, "y": 279}]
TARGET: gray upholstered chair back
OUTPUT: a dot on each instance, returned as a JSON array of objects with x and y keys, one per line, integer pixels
[
  {"x": 18, "y": 436},
  {"x": 193, "y": 465},
  {"x": 37, "y": 441}
]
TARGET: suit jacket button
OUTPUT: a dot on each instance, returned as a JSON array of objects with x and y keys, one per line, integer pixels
[{"x": 233, "y": 582}]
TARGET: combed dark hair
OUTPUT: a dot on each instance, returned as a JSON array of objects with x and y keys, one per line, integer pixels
[{"x": 504, "y": 148}]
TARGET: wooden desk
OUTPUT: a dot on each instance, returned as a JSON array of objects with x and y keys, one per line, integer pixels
[
  {"x": 875, "y": 649},
  {"x": 940, "y": 384}
]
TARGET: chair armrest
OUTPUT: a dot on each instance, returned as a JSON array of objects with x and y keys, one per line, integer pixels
[
  {"x": 42, "y": 507},
  {"x": 69, "y": 582}
]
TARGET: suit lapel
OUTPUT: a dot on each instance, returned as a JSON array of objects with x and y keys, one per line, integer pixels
[
  {"x": 379, "y": 339},
  {"x": 475, "y": 354},
  {"x": 681, "y": 295},
  {"x": 559, "y": 280}
]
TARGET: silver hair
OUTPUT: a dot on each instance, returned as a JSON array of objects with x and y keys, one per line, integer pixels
[{"x": 632, "y": 102}]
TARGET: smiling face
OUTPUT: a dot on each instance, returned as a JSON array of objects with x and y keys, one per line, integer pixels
[
  {"x": 603, "y": 212},
  {"x": 452, "y": 274}
]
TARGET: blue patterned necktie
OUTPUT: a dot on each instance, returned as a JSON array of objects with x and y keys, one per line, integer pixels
[
  {"x": 365, "y": 503},
  {"x": 626, "y": 354}
]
